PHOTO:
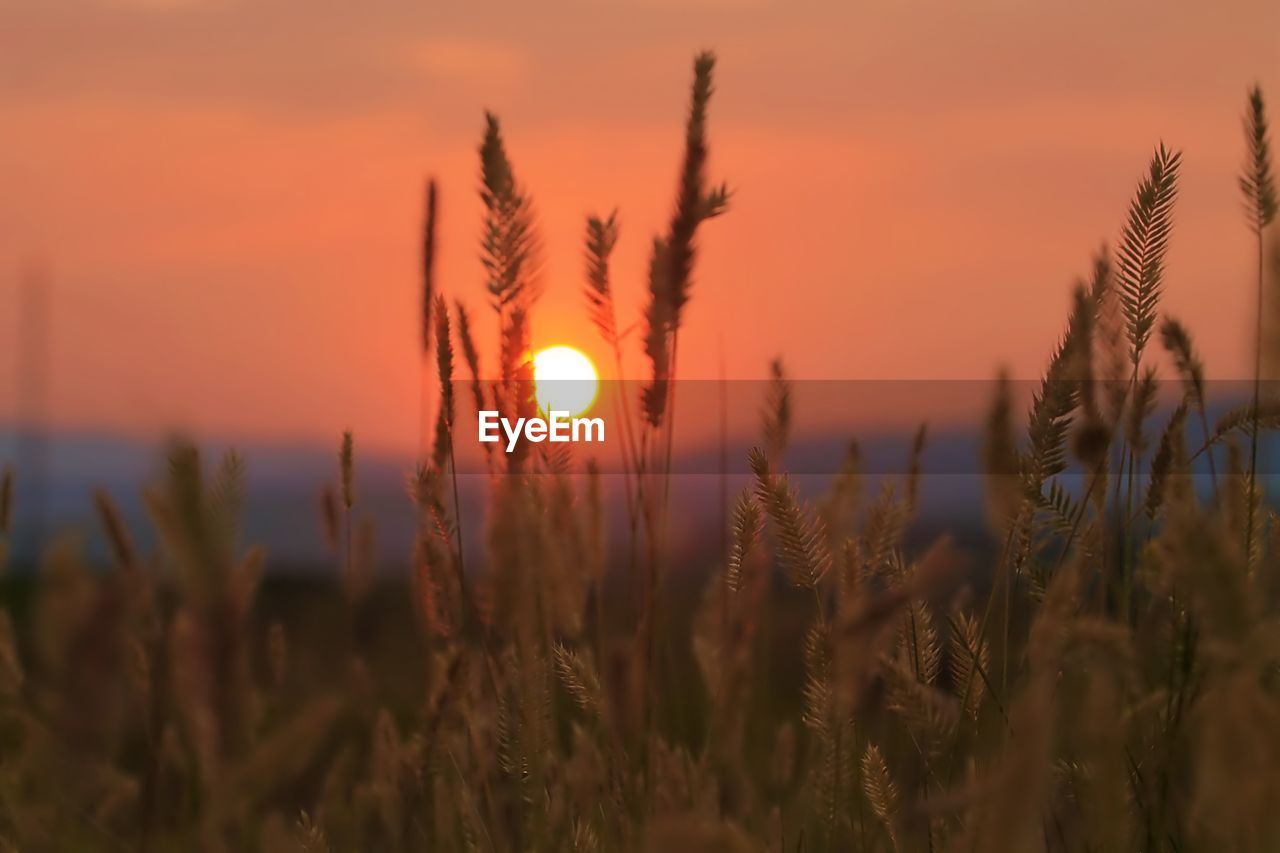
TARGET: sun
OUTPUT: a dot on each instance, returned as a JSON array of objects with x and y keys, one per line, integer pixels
[{"x": 564, "y": 380}]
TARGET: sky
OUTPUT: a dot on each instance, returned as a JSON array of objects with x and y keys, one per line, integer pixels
[{"x": 226, "y": 195}]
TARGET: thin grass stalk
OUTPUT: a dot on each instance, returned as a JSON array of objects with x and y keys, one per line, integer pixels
[
  {"x": 602, "y": 236},
  {"x": 659, "y": 532},
  {"x": 1213, "y": 468},
  {"x": 724, "y": 500},
  {"x": 1178, "y": 342},
  {"x": 1140, "y": 275},
  {"x": 158, "y": 717},
  {"x": 443, "y": 342},
  {"x": 1255, "y": 433},
  {"x": 976, "y": 667},
  {"x": 346, "y": 474},
  {"x": 670, "y": 280},
  {"x": 1258, "y": 187},
  {"x": 1003, "y": 565},
  {"x": 428, "y": 301},
  {"x": 1127, "y": 556}
]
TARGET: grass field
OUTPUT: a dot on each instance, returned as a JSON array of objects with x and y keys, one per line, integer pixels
[{"x": 1106, "y": 679}]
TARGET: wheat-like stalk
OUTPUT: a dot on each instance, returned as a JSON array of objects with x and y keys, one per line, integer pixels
[
  {"x": 1165, "y": 461},
  {"x": 471, "y": 355},
  {"x": 1177, "y": 340},
  {"x": 584, "y": 839},
  {"x": 882, "y": 533},
  {"x": 509, "y": 245},
  {"x": 800, "y": 537},
  {"x": 672, "y": 257},
  {"x": 428, "y": 305},
  {"x": 346, "y": 479},
  {"x": 1000, "y": 459},
  {"x": 748, "y": 523},
  {"x": 817, "y": 694},
  {"x": 1256, "y": 181},
  {"x": 1140, "y": 408},
  {"x": 658, "y": 324},
  {"x": 579, "y": 678},
  {"x": 915, "y": 468},
  {"x": 775, "y": 417},
  {"x": 428, "y": 264},
  {"x": 1053, "y": 405},
  {"x": 444, "y": 373},
  {"x": 880, "y": 790},
  {"x": 310, "y": 836},
  {"x": 695, "y": 203},
  {"x": 969, "y": 653},
  {"x": 330, "y": 526},
  {"x": 602, "y": 237},
  {"x": 1260, "y": 203},
  {"x": 1143, "y": 245},
  {"x": 346, "y": 470}
]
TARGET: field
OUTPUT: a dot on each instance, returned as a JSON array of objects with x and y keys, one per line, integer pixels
[{"x": 1106, "y": 677}]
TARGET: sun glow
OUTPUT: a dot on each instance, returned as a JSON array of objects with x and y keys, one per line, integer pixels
[{"x": 564, "y": 380}]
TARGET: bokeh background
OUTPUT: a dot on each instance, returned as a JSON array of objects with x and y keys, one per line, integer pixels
[
  {"x": 221, "y": 201},
  {"x": 226, "y": 196}
]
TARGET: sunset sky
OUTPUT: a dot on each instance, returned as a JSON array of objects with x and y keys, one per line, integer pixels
[{"x": 227, "y": 195}]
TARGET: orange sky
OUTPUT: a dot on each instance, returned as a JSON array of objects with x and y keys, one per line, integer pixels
[{"x": 228, "y": 193}]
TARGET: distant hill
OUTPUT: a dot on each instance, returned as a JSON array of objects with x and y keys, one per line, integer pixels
[{"x": 284, "y": 484}]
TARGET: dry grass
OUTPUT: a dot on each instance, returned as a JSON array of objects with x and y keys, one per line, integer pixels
[{"x": 1110, "y": 682}]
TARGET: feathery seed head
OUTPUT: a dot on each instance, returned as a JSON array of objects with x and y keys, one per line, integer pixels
[
  {"x": 747, "y": 525},
  {"x": 1177, "y": 340},
  {"x": 1256, "y": 181},
  {"x": 444, "y": 351},
  {"x": 602, "y": 236},
  {"x": 1166, "y": 462},
  {"x": 776, "y": 415},
  {"x": 800, "y": 537},
  {"x": 509, "y": 245},
  {"x": 1143, "y": 244},
  {"x": 428, "y": 265}
]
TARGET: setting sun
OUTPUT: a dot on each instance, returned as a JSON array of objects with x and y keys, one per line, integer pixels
[{"x": 564, "y": 380}]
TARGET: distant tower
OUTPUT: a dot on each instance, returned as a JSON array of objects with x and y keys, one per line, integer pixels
[{"x": 32, "y": 465}]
